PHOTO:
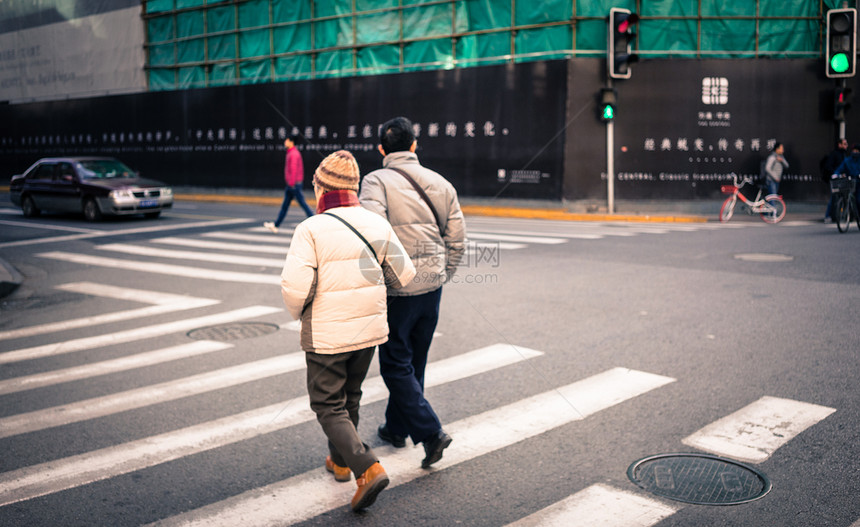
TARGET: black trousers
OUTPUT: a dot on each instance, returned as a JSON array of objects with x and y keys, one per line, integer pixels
[
  {"x": 402, "y": 360},
  {"x": 334, "y": 389}
]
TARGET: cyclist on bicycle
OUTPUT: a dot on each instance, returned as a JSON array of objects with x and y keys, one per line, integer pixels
[{"x": 851, "y": 167}]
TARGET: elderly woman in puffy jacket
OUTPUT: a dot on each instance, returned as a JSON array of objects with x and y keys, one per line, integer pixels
[{"x": 335, "y": 279}]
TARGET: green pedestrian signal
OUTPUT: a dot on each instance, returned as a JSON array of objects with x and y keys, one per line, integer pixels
[
  {"x": 608, "y": 112},
  {"x": 606, "y": 105}
]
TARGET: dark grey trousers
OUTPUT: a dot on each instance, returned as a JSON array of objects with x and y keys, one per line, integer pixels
[{"x": 334, "y": 389}]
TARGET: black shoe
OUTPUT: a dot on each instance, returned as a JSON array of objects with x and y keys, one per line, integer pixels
[
  {"x": 388, "y": 437},
  {"x": 433, "y": 448}
]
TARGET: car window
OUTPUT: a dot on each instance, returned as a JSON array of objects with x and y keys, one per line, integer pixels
[
  {"x": 104, "y": 169},
  {"x": 65, "y": 171},
  {"x": 44, "y": 171}
]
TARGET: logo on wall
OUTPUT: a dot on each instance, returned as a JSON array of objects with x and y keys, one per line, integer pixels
[{"x": 715, "y": 90}]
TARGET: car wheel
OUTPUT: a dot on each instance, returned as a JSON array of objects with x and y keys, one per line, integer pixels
[
  {"x": 28, "y": 206},
  {"x": 91, "y": 210}
]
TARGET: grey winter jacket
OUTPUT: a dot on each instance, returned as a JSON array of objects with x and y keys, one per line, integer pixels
[{"x": 435, "y": 254}]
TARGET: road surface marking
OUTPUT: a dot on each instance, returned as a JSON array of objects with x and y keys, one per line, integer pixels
[
  {"x": 158, "y": 268},
  {"x": 162, "y": 303},
  {"x": 316, "y": 492},
  {"x": 600, "y": 505},
  {"x": 122, "y": 232},
  {"x": 153, "y": 252},
  {"x": 131, "y": 335},
  {"x": 49, "y": 227},
  {"x": 753, "y": 433},
  {"x": 509, "y": 238},
  {"x": 223, "y": 246},
  {"x": 86, "y": 371},
  {"x": 251, "y": 238},
  {"x": 55, "y": 476},
  {"x": 150, "y": 395}
]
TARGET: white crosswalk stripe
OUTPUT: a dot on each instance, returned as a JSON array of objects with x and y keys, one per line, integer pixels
[
  {"x": 315, "y": 492},
  {"x": 54, "y": 476},
  {"x": 601, "y": 505},
  {"x": 132, "y": 335},
  {"x": 162, "y": 303},
  {"x": 753, "y": 433}
]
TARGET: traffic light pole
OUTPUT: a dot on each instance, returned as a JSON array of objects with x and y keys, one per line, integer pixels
[
  {"x": 610, "y": 159},
  {"x": 841, "y": 84}
]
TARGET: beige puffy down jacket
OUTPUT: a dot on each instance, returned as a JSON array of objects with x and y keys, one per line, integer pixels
[
  {"x": 435, "y": 254},
  {"x": 331, "y": 282}
]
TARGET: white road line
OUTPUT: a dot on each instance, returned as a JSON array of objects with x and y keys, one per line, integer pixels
[
  {"x": 270, "y": 238},
  {"x": 158, "y": 268},
  {"x": 601, "y": 505},
  {"x": 98, "y": 234},
  {"x": 508, "y": 238},
  {"x": 192, "y": 255},
  {"x": 149, "y": 395},
  {"x": 288, "y": 230},
  {"x": 540, "y": 233},
  {"x": 131, "y": 335},
  {"x": 223, "y": 246},
  {"x": 163, "y": 303},
  {"x": 483, "y": 247},
  {"x": 140, "y": 360},
  {"x": 753, "y": 433},
  {"x": 315, "y": 492},
  {"x": 48, "y": 226},
  {"x": 55, "y": 476}
]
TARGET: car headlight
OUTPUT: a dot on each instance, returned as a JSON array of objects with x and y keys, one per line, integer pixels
[
  {"x": 120, "y": 194},
  {"x": 166, "y": 191}
]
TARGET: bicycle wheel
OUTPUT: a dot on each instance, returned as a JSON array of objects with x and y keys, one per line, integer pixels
[
  {"x": 841, "y": 212},
  {"x": 728, "y": 208},
  {"x": 856, "y": 213},
  {"x": 775, "y": 209}
]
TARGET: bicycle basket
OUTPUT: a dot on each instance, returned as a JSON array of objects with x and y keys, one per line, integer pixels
[
  {"x": 727, "y": 189},
  {"x": 842, "y": 184}
]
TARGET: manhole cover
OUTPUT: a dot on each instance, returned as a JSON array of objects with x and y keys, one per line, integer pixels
[
  {"x": 234, "y": 331},
  {"x": 764, "y": 257},
  {"x": 702, "y": 479}
]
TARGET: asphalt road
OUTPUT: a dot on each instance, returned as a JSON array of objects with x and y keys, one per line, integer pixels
[{"x": 566, "y": 352}]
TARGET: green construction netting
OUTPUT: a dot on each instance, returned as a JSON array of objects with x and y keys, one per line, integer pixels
[{"x": 216, "y": 42}]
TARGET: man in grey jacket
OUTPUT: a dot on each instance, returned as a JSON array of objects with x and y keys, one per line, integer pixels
[{"x": 424, "y": 211}]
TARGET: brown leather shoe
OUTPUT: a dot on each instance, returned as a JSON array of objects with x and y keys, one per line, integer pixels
[
  {"x": 340, "y": 473},
  {"x": 370, "y": 484}
]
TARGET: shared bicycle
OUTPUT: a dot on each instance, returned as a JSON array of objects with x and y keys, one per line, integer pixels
[
  {"x": 771, "y": 207},
  {"x": 844, "y": 202}
]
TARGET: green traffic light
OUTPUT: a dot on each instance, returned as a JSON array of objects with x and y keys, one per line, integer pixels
[
  {"x": 608, "y": 112},
  {"x": 839, "y": 63}
]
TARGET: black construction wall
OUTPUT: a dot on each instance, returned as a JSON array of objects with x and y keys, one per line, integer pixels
[
  {"x": 513, "y": 131},
  {"x": 490, "y": 131},
  {"x": 677, "y": 138}
]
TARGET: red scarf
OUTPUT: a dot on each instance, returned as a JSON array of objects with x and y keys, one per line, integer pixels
[{"x": 337, "y": 198}]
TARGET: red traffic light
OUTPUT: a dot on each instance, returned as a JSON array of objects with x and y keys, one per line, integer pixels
[{"x": 626, "y": 22}]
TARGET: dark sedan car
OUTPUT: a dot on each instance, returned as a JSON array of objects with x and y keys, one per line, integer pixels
[{"x": 92, "y": 185}]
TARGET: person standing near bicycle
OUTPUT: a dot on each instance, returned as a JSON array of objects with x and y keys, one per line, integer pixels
[
  {"x": 828, "y": 166},
  {"x": 851, "y": 167},
  {"x": 774, "y": 167}
]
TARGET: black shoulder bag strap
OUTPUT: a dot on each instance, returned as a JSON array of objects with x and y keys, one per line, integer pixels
[
  {"x": 353, "y": 229},
  {"x": 420, "y": 193}
]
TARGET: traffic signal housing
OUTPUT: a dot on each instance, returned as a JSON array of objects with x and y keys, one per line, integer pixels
[
  {"x": 621, "y": 36},
  {"x": 606, "y": 108},
  {"x": 841, "y": 103},
  {"x": 841, "y": 46}
]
